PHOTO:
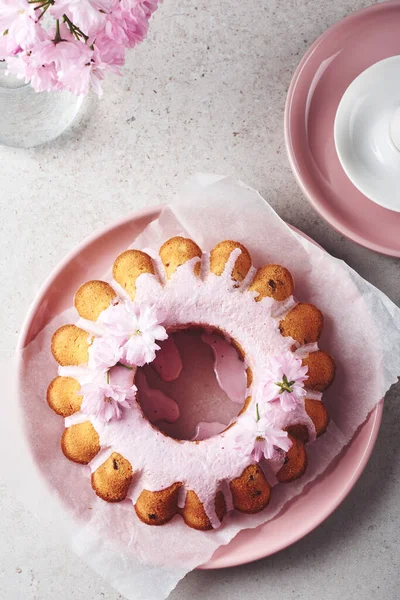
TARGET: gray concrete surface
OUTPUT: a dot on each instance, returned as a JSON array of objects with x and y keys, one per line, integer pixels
[{"x": 205, "y": 92}]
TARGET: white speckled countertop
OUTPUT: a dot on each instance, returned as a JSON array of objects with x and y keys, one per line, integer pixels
[{"x": 205, "y": 92}]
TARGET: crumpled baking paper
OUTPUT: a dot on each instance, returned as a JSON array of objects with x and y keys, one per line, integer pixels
[{"x": 362, "y": 332}]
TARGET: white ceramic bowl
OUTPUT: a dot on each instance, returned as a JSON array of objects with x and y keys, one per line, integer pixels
[{"x": 367, "y": 132}]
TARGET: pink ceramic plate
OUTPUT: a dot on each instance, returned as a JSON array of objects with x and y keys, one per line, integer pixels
[
  {"x": 322, "y": 77},
  {"x": 90, "y": 260}
]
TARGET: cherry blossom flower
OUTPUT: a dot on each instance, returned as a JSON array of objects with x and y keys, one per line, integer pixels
[
  {"x": 109, "y": 51},
  {"x": 104, "y": 353},
  {"x": 76, "y": 46},
  {"x": 104, "y": 400},
  {"x": 18, "y": 19},
  {"x": 42, "y": 77},
  {"x": 259, "y": 436},
  {"x": 137, "y": 327},
  {"x": 88, "y": 15},
  {"x": 64, "y": 54},
  {"x": 134, "y": 22},
  {"x": 285, "y": 381},
  {"x": 8, "y": 47}
]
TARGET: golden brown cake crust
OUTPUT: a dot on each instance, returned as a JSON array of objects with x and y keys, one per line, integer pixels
[
  {"x": 245, "y": 406},
  {"x": 274, "y": 281},
  {"x": 80, "y": 443},
  {"x": 63, "y": 397},
  {"x": 176, "y": 251},
  {"x": 70, "y": 345},
  {"x": 298, "y": 431},
  {"x": 220, "y": 254},
  {"x": 128, "y": 266},
  {"x": 220, "y": 505},
  {"x": 193, "y": 512},
  {"x": 112, "y": 480},
  {"x": 321, "y": 371},
  {"x": 318, "y": 414},
  {"x": 249, "y": 375},
  {"x": 251, "y": 491},
  {"x": 304, "y": 323},
  {"x": 157, "y": 508},
  {"x": 92, "y": 298},
  {"x": 295, "y": 462}
]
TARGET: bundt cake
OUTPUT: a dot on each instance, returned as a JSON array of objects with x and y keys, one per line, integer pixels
[{"x": 151, "y": 295}]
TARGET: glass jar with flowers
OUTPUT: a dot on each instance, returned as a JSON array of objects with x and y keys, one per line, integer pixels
[{"x": 64, "y": 47}]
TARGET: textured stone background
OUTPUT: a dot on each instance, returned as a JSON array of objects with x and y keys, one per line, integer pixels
[{"x": 205, "y": 92}]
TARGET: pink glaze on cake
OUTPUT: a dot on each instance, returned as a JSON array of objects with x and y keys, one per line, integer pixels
[
  {"x": 205, "y": 430},
  {"x": 156, "y": 405},
  {"x": 213, "y": 301},
  {"x": 229, "y": 369},
  {"x": 168, "y": 361}
]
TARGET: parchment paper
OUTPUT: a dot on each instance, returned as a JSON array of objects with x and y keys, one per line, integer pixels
[{"x": 362, "y": 332}]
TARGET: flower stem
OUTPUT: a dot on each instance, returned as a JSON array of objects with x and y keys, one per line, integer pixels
[
  {"x": 41, "y": 4},
  {"x": 78, "y": 33},
  {"x": 44, "y": 10},
  {"x": 58, "y": 34},
  {"x": 257, "y": 413}
]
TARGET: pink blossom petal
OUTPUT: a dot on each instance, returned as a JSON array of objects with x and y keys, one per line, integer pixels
[
  {"x": 260, "y": 436},
  {"x": 104, "y": 353},
  {"x": 268, "y": 449},
  {"x": 288, "y": 401},
  {"x": 270, "y": 391},
  {"x": 257, "y": 451},
  {"x": 285, "y": 381},
  {"x": 105, "y": 401}
]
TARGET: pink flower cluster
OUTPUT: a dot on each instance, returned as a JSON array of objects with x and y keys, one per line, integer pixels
[
  {"x": 284, "y": 388},
  {"x": 285, "y": 381},
  {"x": 70, "y": 44},
  {"x": 105, "y": 400},
  {"x": 128, "y": 334},
  {"x": 260, "y": 436}
]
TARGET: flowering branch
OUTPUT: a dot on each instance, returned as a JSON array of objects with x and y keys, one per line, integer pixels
[
  {"x": 75, "y": 30},
  {"x": 45, "y": 4},
  {"x": 75, "y": 48}
]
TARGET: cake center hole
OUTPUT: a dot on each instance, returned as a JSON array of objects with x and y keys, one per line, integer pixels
[{"x": 195, "y": 387}]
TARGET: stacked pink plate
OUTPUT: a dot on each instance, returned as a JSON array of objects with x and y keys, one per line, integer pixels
[{"x": 332, "y": 63}]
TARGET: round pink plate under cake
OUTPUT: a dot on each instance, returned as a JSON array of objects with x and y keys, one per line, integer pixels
[
  {"x": 323, "y": 75},
  {"x": 89, "y": 261}
]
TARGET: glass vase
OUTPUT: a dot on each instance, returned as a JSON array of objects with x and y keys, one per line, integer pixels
[{"x": 28, "y": 118}]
